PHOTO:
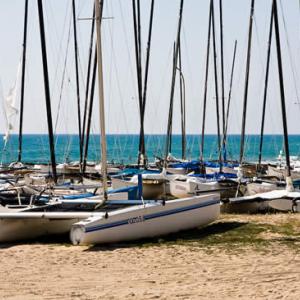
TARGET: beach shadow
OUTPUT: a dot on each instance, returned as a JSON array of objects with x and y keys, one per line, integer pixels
[
  {"x": 7, "y": 245},
  {"x": 63, "y": 239},
  {"x": 188, "y": 236},
  {"x": 201, "y": 234},
  {"x": 287, "y": 239}
]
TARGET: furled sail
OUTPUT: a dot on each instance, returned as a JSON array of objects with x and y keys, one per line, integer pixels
[{"x": 10, "y": 109}]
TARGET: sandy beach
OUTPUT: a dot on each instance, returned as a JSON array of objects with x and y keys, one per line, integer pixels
[{"x": 212, "y": 263}]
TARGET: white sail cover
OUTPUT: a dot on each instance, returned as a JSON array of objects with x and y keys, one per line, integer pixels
[
  {"x": 267, "y": 196},
  {"x": 10, "y": 110}
]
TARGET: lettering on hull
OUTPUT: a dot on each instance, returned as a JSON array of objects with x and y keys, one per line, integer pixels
[{"x": 134, "y": 220}]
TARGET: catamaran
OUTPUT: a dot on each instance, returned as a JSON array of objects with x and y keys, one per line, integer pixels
[
  {"x": 150, "y": 219},
  {"x": 109, "y": 216},
  {"x": 282, "y": 198}
]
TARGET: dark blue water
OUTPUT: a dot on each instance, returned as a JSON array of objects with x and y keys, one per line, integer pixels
[{"x": 124, "y": 148}]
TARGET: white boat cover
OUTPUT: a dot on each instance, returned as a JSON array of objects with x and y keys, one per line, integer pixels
[{"x": 273, "y": 195}]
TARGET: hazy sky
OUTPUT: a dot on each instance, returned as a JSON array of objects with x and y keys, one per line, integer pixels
[{"x": 119, "y": 63}]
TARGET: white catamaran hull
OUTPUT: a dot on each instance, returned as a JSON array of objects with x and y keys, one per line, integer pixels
[
  {"x": 24, "y": 226},
  {"x": 228, "y": 170},
  {"x": 280, "y": 199},
  {"x": 145, "y": 221},
  {"x": 253, "y": 188},
  {"x": 184, "y": 188},
  {"x": 281, "y": 173},
  {"x": 177, "y": 171},
  {"x": 25, "y": 229}
]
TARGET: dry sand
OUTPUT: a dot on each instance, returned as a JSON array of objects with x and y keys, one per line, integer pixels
[{"x": 159, "y": 271}]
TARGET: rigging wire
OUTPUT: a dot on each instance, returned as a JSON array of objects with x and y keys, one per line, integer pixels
[
  {"x": 81, "y": 64},
  {"x": 55, "y": 51},
  {"x": 114, "y": 71},
  {"x": 118, "y": 84},
  {"x": 50, "y": 17},
  {"x": 63, "y": 79},
  {"x": 127, "y": 46},
  {"x": 130, "y": 63},
  {"x": 289, "y": 52},
  {"x": 294, "y": 72}
]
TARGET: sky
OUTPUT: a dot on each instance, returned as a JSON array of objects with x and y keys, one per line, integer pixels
[{"x": 120, "y": 84}]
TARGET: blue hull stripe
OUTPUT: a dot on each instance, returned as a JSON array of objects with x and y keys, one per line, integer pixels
[
  {"x": 153, "y": 216},
  {"x": 179, "y": 210}
]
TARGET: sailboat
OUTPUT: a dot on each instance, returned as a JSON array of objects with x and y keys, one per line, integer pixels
[
  {"x": 152, "y": 218},
  {"x": 93, "y": 214},
  {"x": 201, "y": 176},
  {"x": 276, "y": 197},
  {"x": 153, "y": 181}
]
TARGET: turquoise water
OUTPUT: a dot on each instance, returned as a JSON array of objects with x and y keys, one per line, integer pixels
[{"x": 124, "y": 148}]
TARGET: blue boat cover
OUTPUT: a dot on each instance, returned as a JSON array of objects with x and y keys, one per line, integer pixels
[
  {"x": 133, "y": 171},
  {"x": 78, "y": 196},
  {"x": 216, "y": 176},
  {"x": 133, "y": 192}
]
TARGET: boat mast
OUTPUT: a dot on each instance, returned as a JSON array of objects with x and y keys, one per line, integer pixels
[
  {"x": 139, "y": 40},
  {"x": 265, "y": 90},
  {"x": 282, "y": 96},
  {"x": 47, "y": 89},
  {"x": 77, "y": 81},
  {"x": 23, "y": 81},
  {"x": 222, "y": 77},
  {"x": 168, "y": 140},
  {"x": 216, "y": 82},
  {"x": 142, "y": 150},
  {"x": 171, "y": 108},
  {"x": 98, "y": 9},
  {"x": 90, "y": 110},
  {"x": 246, "y": 82},
  {"x": 137, "y": 43},
  {"x": 87, "y": 87},
  {"x": 229, "y": 93},
  {"x": 142, "y": 144},
  {"x": 205, "y": 86},
  {"x": 182, "y": 106}
]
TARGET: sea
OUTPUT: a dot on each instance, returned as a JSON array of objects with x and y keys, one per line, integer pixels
[{"x": 123, "y": 148}]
